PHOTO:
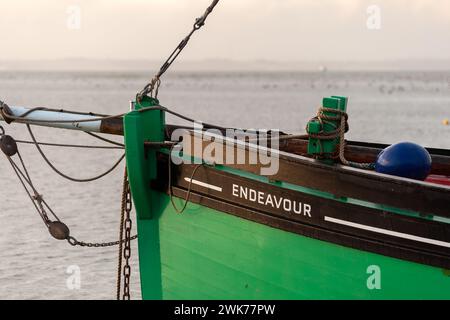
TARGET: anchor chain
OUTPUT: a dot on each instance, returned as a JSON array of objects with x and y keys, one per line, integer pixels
[
  {"x": 152, "y": 87},
  {"x": 127, "y": 244}
]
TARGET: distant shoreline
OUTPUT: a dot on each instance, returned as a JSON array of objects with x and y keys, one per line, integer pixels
[
  {"x": 97, "y": 65},
  {"x": 218, "y": 72}
]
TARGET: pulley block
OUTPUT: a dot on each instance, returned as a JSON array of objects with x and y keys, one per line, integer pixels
[{"x": 8, "y": 145}]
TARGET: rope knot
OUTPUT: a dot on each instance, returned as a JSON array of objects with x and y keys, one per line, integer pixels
[
  {"x": 6, "y": 112},
  {"x": 38, "y": 197},
  {"x": 150, "y": 88},
  {"x": 341, "y": 117}
]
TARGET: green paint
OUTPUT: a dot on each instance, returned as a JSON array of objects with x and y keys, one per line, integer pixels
[
  {"x": 325, "y": 148},
  {"x": 206, "y": 254},
  {"x": 141, "y": 166}
]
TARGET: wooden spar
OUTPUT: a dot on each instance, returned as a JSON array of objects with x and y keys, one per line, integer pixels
[{"x": 45, "y": 118}]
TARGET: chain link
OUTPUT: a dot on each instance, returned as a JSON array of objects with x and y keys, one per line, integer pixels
[
  {"x": 127, "y": 247},
  {"x": 153, "y": 86},
  {"x": 74, "y": 242}
]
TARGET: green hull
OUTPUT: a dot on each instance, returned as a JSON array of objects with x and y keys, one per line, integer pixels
[{"x": 206, "y": 254}]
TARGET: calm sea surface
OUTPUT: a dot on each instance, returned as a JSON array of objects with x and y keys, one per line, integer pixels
[{"x": 383, "y": 107}]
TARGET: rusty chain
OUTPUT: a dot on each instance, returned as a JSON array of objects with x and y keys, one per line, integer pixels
[
  {"x": 122, "y": 222},
  {"x": 74, "y": 242},
  {"x": 128, "y": 238}
]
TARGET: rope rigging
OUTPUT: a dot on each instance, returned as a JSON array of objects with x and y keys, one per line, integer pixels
[
  {"x": 7, "y": 115},
  {"x": 56, "y": 227},
  {"x": 152, "y": 87},
  {"x": 65, "y": 145},
  {"x": 342, "y": 117},
  {"x": 121, "y": 145},
  {"x": 60, "y": 231},
  {"x": 38, "y": 147}
]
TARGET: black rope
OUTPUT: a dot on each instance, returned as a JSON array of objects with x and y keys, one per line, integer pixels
[
  {"x": 189, "y": 190},
  {"x": 63, "y": 145},
  {"x": 42, "y": 206},
  {"x": 105, "y": 139},
  {"x": 34, "y": 199},
  {"x": 179, "y": 115}
]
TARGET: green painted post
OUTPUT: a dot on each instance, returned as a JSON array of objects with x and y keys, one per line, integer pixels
[
  {"x": 142, "y": 169},
  {"x": 323, "y": 149}
]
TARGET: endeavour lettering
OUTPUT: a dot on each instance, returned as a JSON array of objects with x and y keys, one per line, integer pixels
[{"x": 267, "y": 199}]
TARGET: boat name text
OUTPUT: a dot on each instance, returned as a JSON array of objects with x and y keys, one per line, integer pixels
[{"x": 276, "y": 202}]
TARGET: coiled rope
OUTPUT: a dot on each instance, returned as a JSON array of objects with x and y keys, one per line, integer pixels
[{"x": 339, "y": 132}]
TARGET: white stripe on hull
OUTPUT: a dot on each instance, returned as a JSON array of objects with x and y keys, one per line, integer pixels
[
  {"x": 204, "y": 185},
  {"x": 388, "y": 232}
]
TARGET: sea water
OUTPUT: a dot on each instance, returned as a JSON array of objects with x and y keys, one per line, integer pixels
[{"x": 383, "y": 107}]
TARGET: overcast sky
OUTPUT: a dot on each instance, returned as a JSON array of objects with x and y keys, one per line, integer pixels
[{"x": 281, "y": 30}]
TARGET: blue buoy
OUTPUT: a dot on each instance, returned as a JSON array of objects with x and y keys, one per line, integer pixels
[{"x": 404, "y": 159}]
